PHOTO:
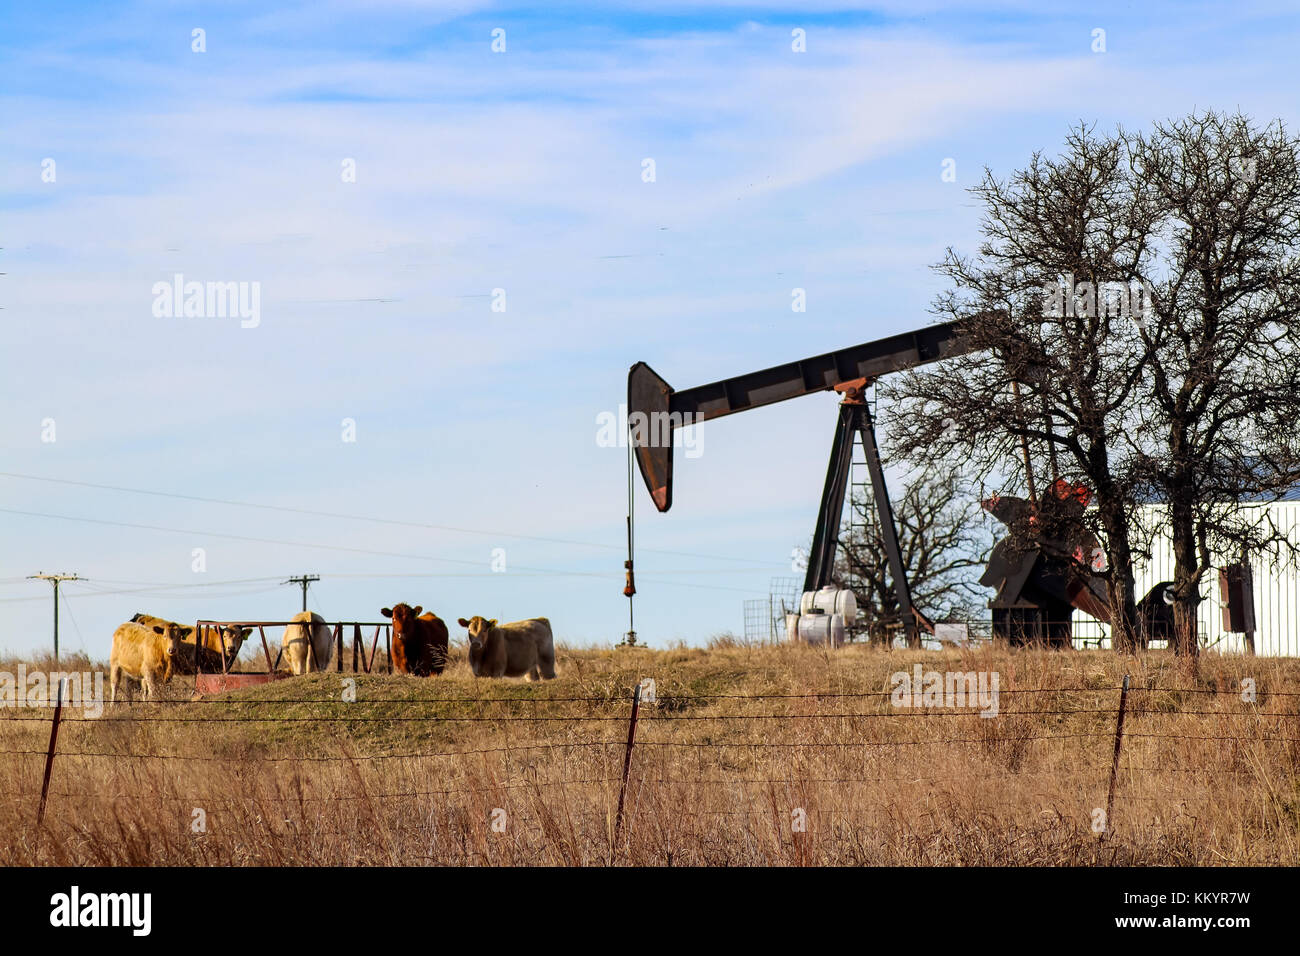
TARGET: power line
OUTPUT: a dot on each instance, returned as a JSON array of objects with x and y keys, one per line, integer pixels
[
  {"x": 81, "y": 641},
  {"x": 93, "y": 592},
  {"x": 171, "y": 584},
  {"x": 154, "y": 591},
  {"x": 142, "y": 586},
  {"x": 355, "y": 517},
  {"x": 242, "y": 537},
  {"x": 330, "y": 547}
]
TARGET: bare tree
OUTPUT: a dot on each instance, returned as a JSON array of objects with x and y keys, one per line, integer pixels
[
  {"x": 1221, "y": 385},
  {"x": 1054, "y": 383},
  {"x": 1165, "y": 365},
  {"x": 942, "y": 545}
]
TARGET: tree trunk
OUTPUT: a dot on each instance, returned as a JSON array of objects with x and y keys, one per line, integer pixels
[
  {"x": 1187, "y": 591},
  {"x": 1120, "y": 586},
  {"x": 1119, "y": 580}
]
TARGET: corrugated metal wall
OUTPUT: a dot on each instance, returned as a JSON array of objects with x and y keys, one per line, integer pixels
[{"x": 1277, "y": 591}]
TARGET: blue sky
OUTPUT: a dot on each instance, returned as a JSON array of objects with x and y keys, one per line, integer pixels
[{"x": 476, "y": 430}]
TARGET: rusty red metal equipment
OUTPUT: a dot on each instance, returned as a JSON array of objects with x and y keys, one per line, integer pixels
[
  {"x": 1042, "y": 570},
  {"x": 212, "y": 682}
]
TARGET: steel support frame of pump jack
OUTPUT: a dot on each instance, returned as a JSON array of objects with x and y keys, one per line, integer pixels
[{"x": 855, "y": 418}]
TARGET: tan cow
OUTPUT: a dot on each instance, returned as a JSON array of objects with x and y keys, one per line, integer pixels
[
  {"x": 305, "y": 654},
  {"x": 144, "y": 654},
  {"x": 148, "y": 620},
  {"x": 511, "y": 650},
  {"x": 210, "y": 655}
]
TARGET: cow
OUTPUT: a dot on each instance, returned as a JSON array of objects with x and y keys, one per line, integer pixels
[
  {"x": 148, "y": 620},
  {"x": 143, "y": 653},
  {"x": 304, "y": 655},
  {"x": 210, "y": 655},
  {"x": 419, "y": 640},
  {"x": 511, "y": 650}
]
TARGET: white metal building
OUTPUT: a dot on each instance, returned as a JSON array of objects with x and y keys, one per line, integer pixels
[{"x": 1276, "y": 589}]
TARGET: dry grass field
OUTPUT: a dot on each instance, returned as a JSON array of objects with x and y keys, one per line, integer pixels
[{"x": 750, "y": 756}]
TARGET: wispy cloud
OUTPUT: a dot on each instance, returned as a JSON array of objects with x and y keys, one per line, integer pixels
[{"x": 523, "y": 172}]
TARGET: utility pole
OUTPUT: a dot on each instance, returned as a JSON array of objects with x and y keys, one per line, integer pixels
[
  {"x": 304, "y": 580},
  {"x": 55, "y": 579}
]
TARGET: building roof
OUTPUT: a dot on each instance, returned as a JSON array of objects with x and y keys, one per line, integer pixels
[{"x": 1151, "y": 497}]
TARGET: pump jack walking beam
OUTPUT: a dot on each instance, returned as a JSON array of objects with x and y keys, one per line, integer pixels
[
  {"x": 656, "y": 409},
  {"x": 663, "y": 408}
]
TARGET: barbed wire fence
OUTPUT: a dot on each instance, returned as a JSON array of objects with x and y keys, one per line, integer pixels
[{"x": 1269, "y": 724}]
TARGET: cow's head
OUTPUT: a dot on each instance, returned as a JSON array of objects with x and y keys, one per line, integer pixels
[
  {"x": 175, "y": 635},
  {"x": 234, "y": 637},
  {"x": 403, "y": 616},
  {"x": 479, "y": 628}
]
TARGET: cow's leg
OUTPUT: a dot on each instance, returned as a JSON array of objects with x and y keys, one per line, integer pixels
[
  {"x": 546, "y": 662},
  {"x": 146, "y": 682},
  {"x": 114, "y": 678}
]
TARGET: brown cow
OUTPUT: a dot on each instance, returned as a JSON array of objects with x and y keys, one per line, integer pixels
[
  {"x": 511, "y": 650},
  {"x": 145, "y": 654},
  {"x": 419, "y": 641}
]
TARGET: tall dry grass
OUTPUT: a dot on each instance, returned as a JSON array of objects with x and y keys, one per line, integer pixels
[{"x": 727, "y": 763}]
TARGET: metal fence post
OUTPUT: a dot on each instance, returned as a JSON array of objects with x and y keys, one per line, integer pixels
[
  {"x": 627, "y": 764},
  {"x": 49, "y": 756},
  {"x": 1119, "y": 741}
]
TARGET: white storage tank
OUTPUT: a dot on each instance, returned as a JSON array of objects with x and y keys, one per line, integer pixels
[
  {"x": 830, "y": 600},
  {"x": 817, "y": 628}
]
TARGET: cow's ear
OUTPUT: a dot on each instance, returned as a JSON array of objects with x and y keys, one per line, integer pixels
[
  {"x": 158, "y": 630},
  {"x": 386, "y": 611},
  {"x": 492, "y": 623},
  {"x": 462, "y": 622},
  {"x": 418, "y": 609}
]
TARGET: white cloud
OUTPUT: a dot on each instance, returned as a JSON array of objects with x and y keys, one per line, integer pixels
[{"x": 520, "y": 172}]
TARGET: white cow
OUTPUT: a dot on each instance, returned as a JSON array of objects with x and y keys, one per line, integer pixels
[
  {"x": 511, "y": 650},
  {"x": 305, "y": 654}
]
